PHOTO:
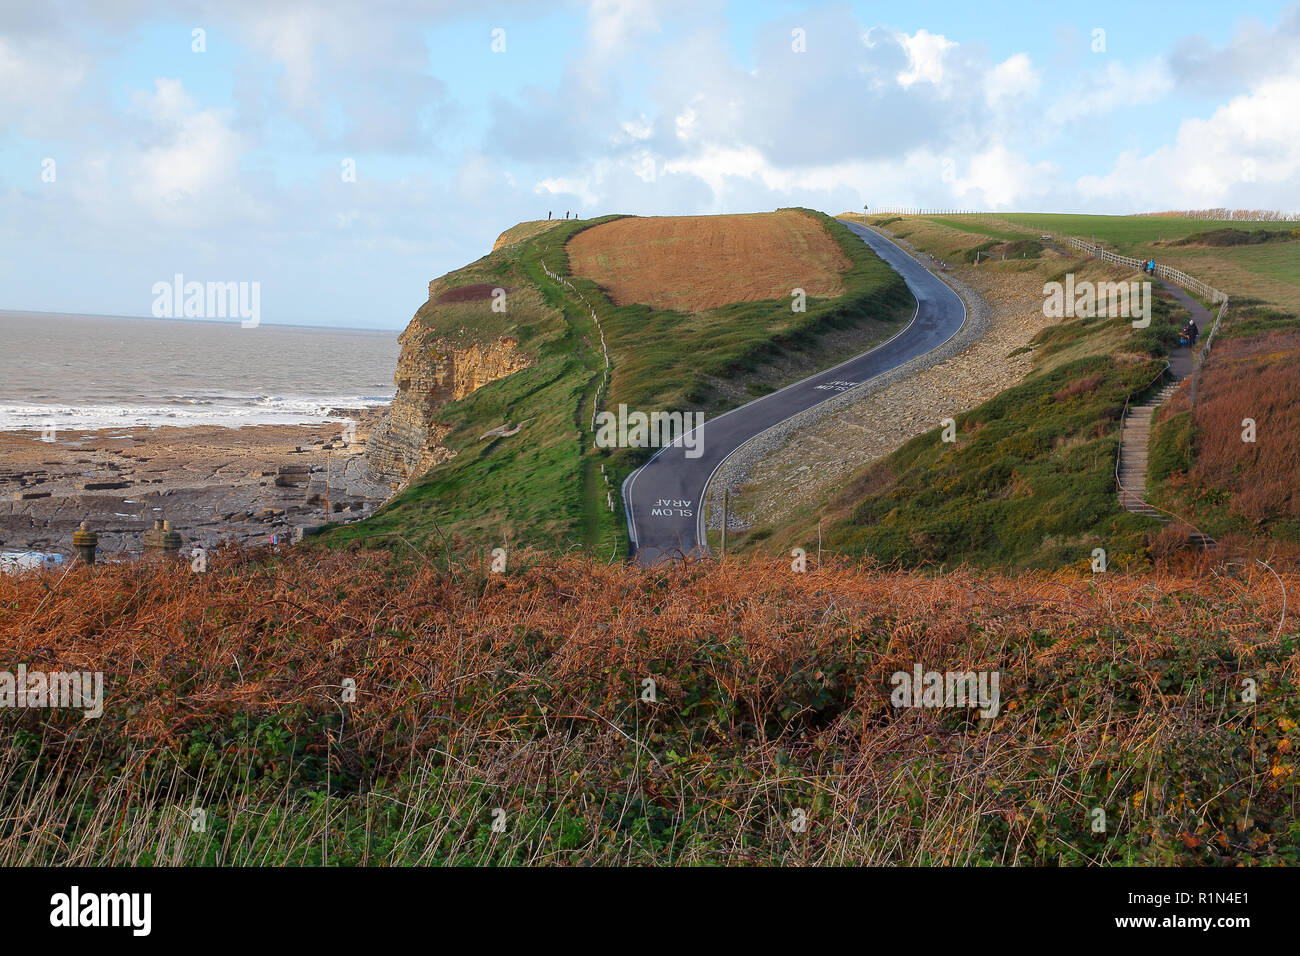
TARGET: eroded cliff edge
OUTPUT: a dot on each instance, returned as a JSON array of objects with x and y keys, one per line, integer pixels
[
  {"x": 466, "y": 335},
  {"x": 432, "y": 371}
]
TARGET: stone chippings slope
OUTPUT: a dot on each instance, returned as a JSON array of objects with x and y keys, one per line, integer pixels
[{"x": 806, "y": 458}]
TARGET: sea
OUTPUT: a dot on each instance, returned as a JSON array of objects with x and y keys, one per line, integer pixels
[{"x": 95, "y": 372}]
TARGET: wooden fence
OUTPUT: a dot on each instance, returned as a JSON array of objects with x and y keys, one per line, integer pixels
[
  {"x": 1191, "y": 283},
  {"x": 604, "y": 382}
]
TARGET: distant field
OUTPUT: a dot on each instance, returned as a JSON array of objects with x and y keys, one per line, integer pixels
[
  {"x": 1125, "y": 233},
  {"x": 1270, "y": 272},
  {"x": 693, "y": 263}
]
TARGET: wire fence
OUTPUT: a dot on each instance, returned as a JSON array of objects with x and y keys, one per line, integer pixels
[
  {"x": 604, "y": 382},
  {"x": 912, "y": 211}
]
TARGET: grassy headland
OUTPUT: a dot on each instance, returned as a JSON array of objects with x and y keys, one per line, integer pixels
[{"x": 544, "y": 486}]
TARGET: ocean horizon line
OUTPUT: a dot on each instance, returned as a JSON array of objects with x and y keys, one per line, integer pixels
[{"x": 198, "y": 321}]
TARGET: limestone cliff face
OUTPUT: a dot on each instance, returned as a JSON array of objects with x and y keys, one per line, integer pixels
[{"x": 430, "y": 373}]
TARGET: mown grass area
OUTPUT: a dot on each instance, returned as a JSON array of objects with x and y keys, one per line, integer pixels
[
  {"x": 979, "y": 227},
  {"x": 958, "y": 239},
  {"x": 374, "y": 708},
  {"x": 1130, "y": 235},
  {"x": 526, "y": 230},
  {"x": 1029, "y": 480},
  {"x": 543, "y": 487}
]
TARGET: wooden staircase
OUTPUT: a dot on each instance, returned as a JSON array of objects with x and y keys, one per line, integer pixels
[{"x": 1133, "y": 456}]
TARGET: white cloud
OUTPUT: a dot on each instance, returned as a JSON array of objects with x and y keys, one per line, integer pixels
[
  {"x": 1246, "y": 155},
  {"x": 999, "y": 179},
  {"x": 188, "y": 172},
  {"x": 715, "y": 164},
  {"x": 1012, "y": 79},
  {"x": 925, "y": 54},
  {"x": 685, "y": 124},
  {"x": 580, "y": 186},
  {"x": 612, "y": 24},
  {"x": 637, "y": 129},
  {"x": 39, "y": 80},
  {"x": 1115, "y": 87},
  {"x": 291, "y": 38}
]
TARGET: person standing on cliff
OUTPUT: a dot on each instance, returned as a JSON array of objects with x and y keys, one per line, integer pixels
[{"x": 548, "y": 215}]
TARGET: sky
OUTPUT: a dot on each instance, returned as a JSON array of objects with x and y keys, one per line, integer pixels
[{"x": 342, "y": 154}]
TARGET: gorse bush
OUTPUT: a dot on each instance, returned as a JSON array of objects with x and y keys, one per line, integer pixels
[{"x": 1237, "y": 237}]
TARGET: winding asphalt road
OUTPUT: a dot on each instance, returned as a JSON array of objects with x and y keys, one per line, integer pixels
[{"x": 664, "y": 497}]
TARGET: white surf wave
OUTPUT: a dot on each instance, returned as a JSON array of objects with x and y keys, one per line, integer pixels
[{"x": 261, "y": 410}]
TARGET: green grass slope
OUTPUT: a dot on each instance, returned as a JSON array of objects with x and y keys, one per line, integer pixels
[{"x": 1030, "y": 479}]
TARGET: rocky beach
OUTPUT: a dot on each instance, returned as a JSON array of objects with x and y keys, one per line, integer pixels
[{"x": 212, "y": 483}]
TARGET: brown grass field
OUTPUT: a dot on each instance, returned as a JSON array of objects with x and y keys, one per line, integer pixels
[
  {"x": 525, "y": 691},
  {"x": 693, "y": 263}
]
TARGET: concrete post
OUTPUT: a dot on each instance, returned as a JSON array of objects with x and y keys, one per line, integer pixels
[
  {"x": 86, "y": 543},
  {"x": 162, "y": 539}
]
